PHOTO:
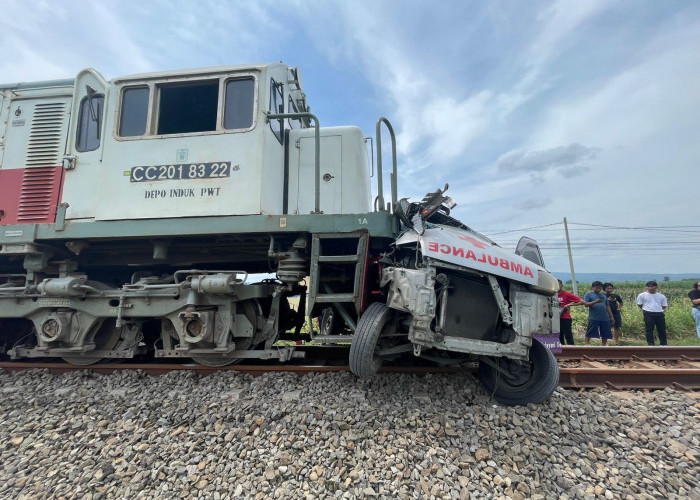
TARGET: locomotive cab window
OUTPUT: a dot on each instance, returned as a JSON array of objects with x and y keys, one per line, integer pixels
[
  {"x": 134, "y": 112},
  {"x": 239, "y": 104},
  {"x": 211, "y": 105},
  {"x": 187, "y": 108},
  {"x": 87, "y": 136}
]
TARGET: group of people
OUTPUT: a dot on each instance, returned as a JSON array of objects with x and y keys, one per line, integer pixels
[{"x": 604, "y": 312}]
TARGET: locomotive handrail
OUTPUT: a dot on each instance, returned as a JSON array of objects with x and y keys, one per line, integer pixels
[
  {"x": 380, "y": 185},
  {"x": 317, "y": 152}
]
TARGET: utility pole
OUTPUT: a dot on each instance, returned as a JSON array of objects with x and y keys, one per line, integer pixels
[{"x": 571, "y": 259}]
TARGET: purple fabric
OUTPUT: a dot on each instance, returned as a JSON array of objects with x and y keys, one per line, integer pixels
[{"x": 550, "y": 341}]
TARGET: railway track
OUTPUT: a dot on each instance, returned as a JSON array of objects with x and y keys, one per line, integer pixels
[
  {"x": 633, "y": 367},
  {"x": 617, "y": 368}
]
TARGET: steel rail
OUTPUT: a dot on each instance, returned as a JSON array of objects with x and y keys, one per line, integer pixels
[
  {"x": 686, "y": 379},
  {"x": 161, "y": 369},
  {"x": 656, "y": 353},
  {"x": 570, "y": 378}
]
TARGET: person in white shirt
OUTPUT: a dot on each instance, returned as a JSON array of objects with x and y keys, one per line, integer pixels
[{"x": 653, "y": 306}]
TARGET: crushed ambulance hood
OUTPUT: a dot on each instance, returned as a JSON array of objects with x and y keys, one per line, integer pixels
[{"x": 469, "y": 249}]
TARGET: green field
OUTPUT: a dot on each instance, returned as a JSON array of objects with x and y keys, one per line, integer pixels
[{"x": 680, "y": 326}]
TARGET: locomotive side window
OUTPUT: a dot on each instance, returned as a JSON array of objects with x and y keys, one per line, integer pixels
[
  {"x": 276, "y": 106},
  {"x": 134, "y": 111},
  {"x": 240, "y": 100},
  {"x": 89, "y": 123},
  {"x": 186, "y": 108}
]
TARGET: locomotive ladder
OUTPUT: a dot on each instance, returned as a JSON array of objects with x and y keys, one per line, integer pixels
[{"x": 326, "y": 295}]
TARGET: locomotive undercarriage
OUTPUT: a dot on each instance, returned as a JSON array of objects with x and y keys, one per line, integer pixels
[
  {"x": 211, "y": 317},
  {"x": 84, "y": 312}
]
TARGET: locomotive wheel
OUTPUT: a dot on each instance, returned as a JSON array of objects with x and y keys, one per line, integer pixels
[
  {"x": 105, "y": 337},
  {"x": 527, "y": 381},
  {"x": 251, "y": 310},
  {"x": 375, "y": 323},
  {"x": 242, "y": 343}
]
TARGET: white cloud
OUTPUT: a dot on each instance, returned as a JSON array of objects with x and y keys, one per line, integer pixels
[
  {"x": 57, "y": 39},
  {"x": 559, "y": 22},
  {"x": 567, "y": 159}
]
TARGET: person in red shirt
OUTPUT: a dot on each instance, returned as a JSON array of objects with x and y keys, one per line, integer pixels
[{"x": 566, "y": 300}]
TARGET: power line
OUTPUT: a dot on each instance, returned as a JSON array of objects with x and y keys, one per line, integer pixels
[
  {"x": 524, "y": 229},
  {"x": 670, "y": 229},
  {"x": 674, "y": 241},
  {"x": 598, "y": 227},
  {"x": 612, "y": 244},
  {"x": 630, "y": 227}
]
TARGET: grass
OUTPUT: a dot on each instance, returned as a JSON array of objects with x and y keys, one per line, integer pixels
[{"x": 680, "y": 327}]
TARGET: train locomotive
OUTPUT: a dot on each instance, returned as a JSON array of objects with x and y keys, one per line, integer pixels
[{"x": 137, "y": 214}]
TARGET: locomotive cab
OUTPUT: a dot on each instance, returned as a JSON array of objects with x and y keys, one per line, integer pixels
[{"x": 183, "y": 144}]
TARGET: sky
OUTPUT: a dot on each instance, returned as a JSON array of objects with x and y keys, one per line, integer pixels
[{"x": 531, "y": 111}]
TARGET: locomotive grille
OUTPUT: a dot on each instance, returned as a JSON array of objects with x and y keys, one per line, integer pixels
[
  {"x": 37, "y": 202},
  {"x": 45, "y": 140}
]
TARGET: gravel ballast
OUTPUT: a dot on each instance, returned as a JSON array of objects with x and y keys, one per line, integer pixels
[{"x": 228, "y": 435}]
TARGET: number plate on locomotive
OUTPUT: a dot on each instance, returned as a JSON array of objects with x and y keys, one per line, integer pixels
[{"x": 180, "y": 171}]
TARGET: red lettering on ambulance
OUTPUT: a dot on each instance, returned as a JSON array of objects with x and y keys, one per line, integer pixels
[
  {"x": 506, "y": 264},
  {"x": 475, "y": 242}
]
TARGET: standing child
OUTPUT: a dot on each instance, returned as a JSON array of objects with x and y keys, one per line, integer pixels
[
  {"x": 615, "y": 302},
  {"x": 600, "y": 316}
]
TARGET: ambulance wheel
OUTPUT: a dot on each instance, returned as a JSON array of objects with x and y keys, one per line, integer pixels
[
  {"x": 526, "y": 382},
  {"x": 375, "y": 323}
]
